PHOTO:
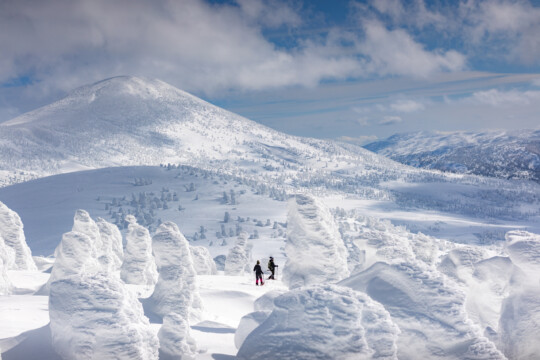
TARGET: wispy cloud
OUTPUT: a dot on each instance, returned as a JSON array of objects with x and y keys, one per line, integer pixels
[
  {"x": 407, "y": 106},
  {"x": 390, "y": 120},
  {"x": 497, "y": 97}
]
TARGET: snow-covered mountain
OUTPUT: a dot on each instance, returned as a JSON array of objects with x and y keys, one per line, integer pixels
[
  {"x": 501, "y": 154},
  {"x": 126, "y": 121}
]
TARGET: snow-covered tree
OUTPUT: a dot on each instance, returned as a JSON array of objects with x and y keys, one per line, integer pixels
[
  {"x": 315, "y": 251},
  {"x": 5, "y": 255},
  {"x": 139, "y": 266},
  {"x": 239, "y": 256},
  {"x": 202, "y": 261},
  {"x": 175, "y": 340},
  {"x": 96, "y": 317},
  {"x": 176, "y": 290},
  {"x": 11, "y": 230}
]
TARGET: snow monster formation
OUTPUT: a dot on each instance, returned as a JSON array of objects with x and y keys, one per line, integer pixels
[
  {"x": 175, "y": 341},
  {"x": 11, "y": 231},
  {"x": 239, "y": 256},
  {"x": 315, "y": 251},
  {"x": 176, "y": 289},
  {"x": 86, "y": 249},
  {"x": 111, "y": 241},
  {"x": 202, "y": 261},
  {"x": 5, "y": 255},
  {"x": 322, "y": 322},
  {"x": 94, "y": 316},
  {"x": 139, "y": 267}
]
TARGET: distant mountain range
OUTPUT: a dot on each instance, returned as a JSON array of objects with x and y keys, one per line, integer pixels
[{"x": 500, "y": 154}]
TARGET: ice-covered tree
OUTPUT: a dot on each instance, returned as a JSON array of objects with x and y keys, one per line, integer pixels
[
  {"x": 239, "y": 256},
  {"x": 11, "y": 230},
  {"x": 315, "y": 251},
  {"x": 139, "y": 266},
  {"x": 96, "y": 317},
  {"x": 175, "y": 341},
  {"x": 176, "y": 290},
  {"x": 202, "y": 261},
  {"x": 5, "y": 255}
]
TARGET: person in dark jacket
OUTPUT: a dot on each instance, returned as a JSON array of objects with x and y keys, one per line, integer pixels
[
  {"x": 258, "y": 273},
  {"x": 272, "y": 268}
]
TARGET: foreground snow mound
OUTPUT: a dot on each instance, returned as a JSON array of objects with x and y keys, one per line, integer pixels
[
  {"x": 176, "y": 290},
  {"x": 315, "y": 251},
  {"x": 323, "y": 322},
  {"x": 202, "y": 261},
  {"x": 11, "y": 231},
  {"x": 139, "y": 266},
  {"x": 520, "y": 325},
  {"x": 111, "y": 240},
  {"x": 247, "y": 324},
  {"x": 175, "y": 341},
  {"x": 524, "y": 250},
  {"x": 430, "y": 314},
  {"x": 5, "y": 283},
  {"x": 239, "y": 257},
  {"x": 96, "y": 317}
]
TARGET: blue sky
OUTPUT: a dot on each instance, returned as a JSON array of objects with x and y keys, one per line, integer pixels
[{"x": 352, "y": 70}]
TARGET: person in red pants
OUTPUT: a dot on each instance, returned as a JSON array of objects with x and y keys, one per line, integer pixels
[{"x": 258, "y": 273}]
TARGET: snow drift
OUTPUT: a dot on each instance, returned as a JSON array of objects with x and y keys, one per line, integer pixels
[
  {"x": 95, "y": 317},
  {"x": 11, "y": 231},
  {"x": 323, "y": 322},
  {"x": 176, "y": 289},
  {"x": 315, "y": 251},
  {"x": 139, "y": 266}
]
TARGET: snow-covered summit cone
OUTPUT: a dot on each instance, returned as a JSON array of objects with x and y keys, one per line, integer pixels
[
  {"x": 315, "y": 251},
  {"x": 323, "y": 322},
  {"x": 12, "y": 233},
  {"x": 176, "y": 290},
  {"x": 139, "y": 266},
  {"x": 96, "y": 317}
]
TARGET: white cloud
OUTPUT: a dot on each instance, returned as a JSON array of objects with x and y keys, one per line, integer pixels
[
  {"x": 390, "y": 120},
  {"x": 395, "y": 52},
  {"x": 496, "y": 97},
  {"x": 407, "y": 106},
  {"x": 359, "y": 140}
]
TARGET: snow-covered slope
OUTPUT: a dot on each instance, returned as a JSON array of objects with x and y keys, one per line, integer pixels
[{"x": 502, "y": 154}]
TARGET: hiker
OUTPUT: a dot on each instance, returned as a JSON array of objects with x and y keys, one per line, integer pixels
[
  {"x": 258, "y": 273},
  {"x": 272, "y": 267}
]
